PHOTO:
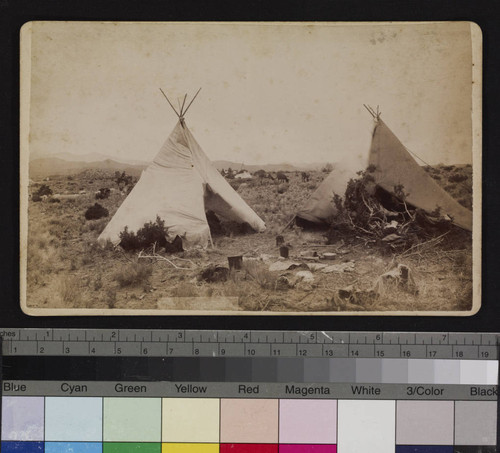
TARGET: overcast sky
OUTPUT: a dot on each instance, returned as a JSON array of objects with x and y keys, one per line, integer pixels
[{"x": 271, "y": 93}]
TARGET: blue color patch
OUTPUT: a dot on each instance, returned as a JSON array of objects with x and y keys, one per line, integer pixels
[{"x": 22, "y": 447}]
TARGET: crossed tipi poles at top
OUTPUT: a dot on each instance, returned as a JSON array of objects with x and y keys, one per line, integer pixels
[
  {"x": 180, "y": 114},
  {"x": 376, "y": 116}
]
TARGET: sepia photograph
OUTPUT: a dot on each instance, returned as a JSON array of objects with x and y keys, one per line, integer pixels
[{"x": 259, "y": 168}]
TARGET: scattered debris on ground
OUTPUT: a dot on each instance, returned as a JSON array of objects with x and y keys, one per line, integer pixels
[
  {"x": 305, "y": 276},
  {"x": 213, "y": 274},
  {"x": 329, "y": 256},
  {"x": 342, "y": 267},
  {"x": 279, "y": 266},
  {"x": 316, "y": 266},
  {"x": 400, "y": 276}
]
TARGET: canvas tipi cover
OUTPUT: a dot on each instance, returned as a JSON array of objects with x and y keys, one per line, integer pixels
[
  {"x": 394, "y": 166},
  {"x": 179, "y": 186}
]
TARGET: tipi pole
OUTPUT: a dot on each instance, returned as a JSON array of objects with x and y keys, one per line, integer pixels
[
  {"x": 183, "y": 102},
  {"x": 288, "y": 224},
  {"x": 370, "y": 111},
  {"x": 189, "y": 105},
  {"x": 173, "y": 108}
]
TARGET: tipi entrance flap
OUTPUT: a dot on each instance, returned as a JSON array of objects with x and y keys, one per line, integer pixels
[
  {"x": 214, "y": 202},
  {"x": 240, "y": 211}
]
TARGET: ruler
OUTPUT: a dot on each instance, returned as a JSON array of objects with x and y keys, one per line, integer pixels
[{"x": 228, "y": 343}]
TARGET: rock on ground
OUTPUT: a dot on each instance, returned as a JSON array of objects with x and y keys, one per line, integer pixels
[
  {"x": 343, "y": 267},
  {"x": 283, "y": 265},
  {"x": 305, "y": 276}
]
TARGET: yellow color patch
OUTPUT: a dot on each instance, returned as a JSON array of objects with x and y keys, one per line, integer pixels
[
  {"x": 190, "y": 448},
  {"x": 190, "y": 420}
]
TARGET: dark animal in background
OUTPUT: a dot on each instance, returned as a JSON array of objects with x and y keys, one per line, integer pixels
[
  {"x": 305, "y": 176},
  {"x": 282, "y": 177},
  {"x": 262, "y": 174}
]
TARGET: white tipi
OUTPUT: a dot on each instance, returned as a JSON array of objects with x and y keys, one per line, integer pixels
[
  {"x": 179, "y": 186},
  {"x": 393, "y": 166}
]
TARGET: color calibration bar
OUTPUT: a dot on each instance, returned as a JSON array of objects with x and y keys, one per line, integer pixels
[
  {"x": 257, "y": 392},
  {"x": 210, "y": 425}
]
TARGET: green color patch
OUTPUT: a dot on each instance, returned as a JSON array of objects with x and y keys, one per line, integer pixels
[
  {"x": 131, "y": 447},
  {"x": 132, "y": 420}
]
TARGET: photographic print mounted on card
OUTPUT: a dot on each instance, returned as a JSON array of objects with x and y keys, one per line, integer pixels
[{"x": 250, "y": 168}]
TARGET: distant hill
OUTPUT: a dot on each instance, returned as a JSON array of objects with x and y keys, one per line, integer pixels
[
  {"x": 95, "y": 160},
  {"x": 50, "y": 166},
  {"x": 69, "y": 164},
  {"x": 88, "y": 158}
]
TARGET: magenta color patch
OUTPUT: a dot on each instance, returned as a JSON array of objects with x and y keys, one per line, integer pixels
[
  {"x": 308, "y": 422},
  {"x": 296, "y": 448}
]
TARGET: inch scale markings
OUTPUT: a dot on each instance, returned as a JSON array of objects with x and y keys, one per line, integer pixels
[{"x": 210, "y": 343}]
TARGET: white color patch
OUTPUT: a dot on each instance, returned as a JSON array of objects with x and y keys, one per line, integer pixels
[{"x": 366, "y": 426}]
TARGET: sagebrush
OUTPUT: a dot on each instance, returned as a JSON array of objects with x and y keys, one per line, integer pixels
[{"x": 151, "y": 233}]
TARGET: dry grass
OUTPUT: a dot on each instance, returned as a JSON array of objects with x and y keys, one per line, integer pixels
[
  {"x": 260, "y": 274},
  {"x": 133, "y": 274},
  {"x": 185, "y": 289},
  {"x": 70, "y": 291},
  {"x": 64, "y": 259}
]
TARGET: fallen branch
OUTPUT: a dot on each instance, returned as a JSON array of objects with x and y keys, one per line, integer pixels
[
  {"x": 417, "y": 248},
  {"x": 266, "y": 300},
  {"x": 162, "y": 258},
  {"x": 185, "y": 259}
]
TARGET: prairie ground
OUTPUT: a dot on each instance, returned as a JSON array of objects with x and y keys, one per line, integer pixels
[{"x": 66, "y": 267}]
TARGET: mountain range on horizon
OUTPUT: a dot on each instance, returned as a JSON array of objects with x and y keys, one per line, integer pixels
[
  {"x": 66, "y": 163},
  {"x": 88, "y": 157}
]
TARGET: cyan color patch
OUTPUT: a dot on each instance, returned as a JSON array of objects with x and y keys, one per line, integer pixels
[
  {"x": 73, "y": 447},
  {"x": 73, "y": 419}
]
